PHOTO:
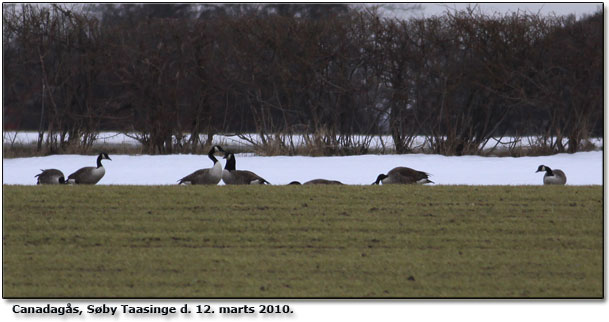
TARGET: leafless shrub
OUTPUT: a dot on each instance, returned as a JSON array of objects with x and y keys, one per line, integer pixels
[{"x": 174, "y": 76}]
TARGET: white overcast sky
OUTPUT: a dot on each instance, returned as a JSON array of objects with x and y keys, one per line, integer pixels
[{"x": 438, "y": 8}]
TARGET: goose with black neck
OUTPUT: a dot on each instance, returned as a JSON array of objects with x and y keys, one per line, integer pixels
[
  {"x": 231, "y": 175},
  {"x": 90, "y": 175},
  {"x": 209, "y": 176}
]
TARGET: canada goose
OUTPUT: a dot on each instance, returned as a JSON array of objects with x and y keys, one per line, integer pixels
[
  {"x": 232, "y": 176},
  {"x": 403, "y": 175},
  {"x": 318, "y": 181},
  {"x": 552, "y": 176},
  {"x": 206, "y": 176},
  {"x": 50, "y": 176},
  {"x": 90, "y": 175}
]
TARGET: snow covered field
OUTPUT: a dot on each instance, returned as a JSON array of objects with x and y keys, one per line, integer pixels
[{"x": 584, "y": 168}]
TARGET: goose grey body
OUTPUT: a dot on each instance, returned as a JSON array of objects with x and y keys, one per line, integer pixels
[
  {"x": 90, "y": 175},
  {"x": 555, "y": 176},
  {"x": 50, "y": 176},
  {"x": 403, "y": 175},
  {"x": 211, "y": 175},
  {"x": 232, "y": 176},
  {"x": 318, "y": 181}
]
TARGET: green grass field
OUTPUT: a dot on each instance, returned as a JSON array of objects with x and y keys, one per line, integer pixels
[{"x": 302, "y": 241}]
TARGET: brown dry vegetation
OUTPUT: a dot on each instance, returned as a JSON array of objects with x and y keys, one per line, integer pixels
[{"x": 327, "y": 70}]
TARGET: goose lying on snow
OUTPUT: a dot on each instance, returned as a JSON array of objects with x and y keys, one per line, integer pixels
[
  {"x": 90, "y": 175},
  {"x": 232, "y": 176},
  {"x": 318, "y": 181},
  {"x": 206, "y": 176},
  {"x": 555, "y": 176},
  {"x": 403, "y": 175},
  {"x": 50, "y": 176}
]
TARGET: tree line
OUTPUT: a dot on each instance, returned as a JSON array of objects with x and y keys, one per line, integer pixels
[{"x": 174, "y": 76}]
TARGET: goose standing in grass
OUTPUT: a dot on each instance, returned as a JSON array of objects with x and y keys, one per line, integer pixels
[
  {"x": 552, "y": 176},
  {"x": 211, "y": 175},
  {"x": 318, "y": 181},
  {"x": 50, "y": 176},
  {"x": 403, "y": 175},
  {"x": 90, "y": 175},
  {"x": 232, "y": 176}
]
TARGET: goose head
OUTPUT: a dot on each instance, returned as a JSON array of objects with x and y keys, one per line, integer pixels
[
  {"x": 230, "y": 161},
  {"x": 380, "y": 178},
  {"x": 216, "y": 149},
  {"x": 541, "y": 168},
  {"x": 102, "y": 156}
]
